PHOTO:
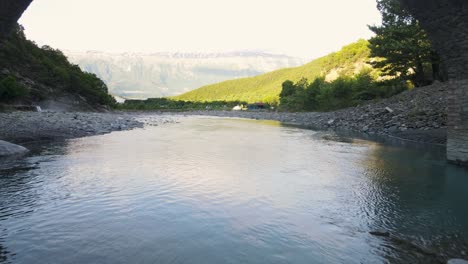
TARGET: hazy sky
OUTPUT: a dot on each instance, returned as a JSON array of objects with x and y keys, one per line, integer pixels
[{"x": 305, "y": 28}]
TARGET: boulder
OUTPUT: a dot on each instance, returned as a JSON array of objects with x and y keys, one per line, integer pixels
[{"x": 8, "y": 149}]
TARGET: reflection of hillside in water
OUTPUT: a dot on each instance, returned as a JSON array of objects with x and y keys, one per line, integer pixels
[
  {"x": 3, "y": 254},
  {"x": 420, "y": 202}
]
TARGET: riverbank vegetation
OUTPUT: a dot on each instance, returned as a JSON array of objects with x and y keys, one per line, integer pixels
[
  {"x": 320, "y": 95},
  {"x": 401, "y": 57},
  {"x": 167, "y": 104},
  {"x": 402, "y": 49}
]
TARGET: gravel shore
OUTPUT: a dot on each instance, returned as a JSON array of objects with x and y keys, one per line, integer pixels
[
  {"x": 418, "y": 115},
  {"x": 21, "y": 127},
  {"x": 332, "y": 121}
]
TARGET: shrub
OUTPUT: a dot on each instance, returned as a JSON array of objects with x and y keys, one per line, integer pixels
[
  {"x": 10, "y": 89},
  {"x": 340, "y": 93}
]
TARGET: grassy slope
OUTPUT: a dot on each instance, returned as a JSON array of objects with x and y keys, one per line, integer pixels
[{"x": 267, "y": 87}]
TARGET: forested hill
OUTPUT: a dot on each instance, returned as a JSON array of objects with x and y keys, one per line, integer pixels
[
  {"x": 42, "y": 75},
  {"x": 350, "y": 60}
]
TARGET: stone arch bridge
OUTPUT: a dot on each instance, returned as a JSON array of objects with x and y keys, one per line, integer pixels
[{"x": 446, "y": 22}]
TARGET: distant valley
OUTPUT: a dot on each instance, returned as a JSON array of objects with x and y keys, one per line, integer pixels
[{"x": 139, "y": 76}]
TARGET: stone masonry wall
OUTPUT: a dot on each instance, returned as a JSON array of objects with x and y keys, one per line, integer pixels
[
  {"x": 10, "y": 12},
  {"x": 457, "y": 137},
  {"x": 446, "y": 22}
]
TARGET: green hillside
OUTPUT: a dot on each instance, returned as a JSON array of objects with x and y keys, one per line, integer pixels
[
  {"x": 267, "y": 87},
  {"x": 30, "y": 74}
]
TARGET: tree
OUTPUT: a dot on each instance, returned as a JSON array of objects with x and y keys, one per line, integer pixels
[
  {"x": 288, "y": 89},
  {"x": 402, "y": 46},
  {"x": 292, "y": 96}
]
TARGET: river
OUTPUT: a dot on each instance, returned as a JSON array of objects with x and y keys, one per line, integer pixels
[{"x": 214, "y": 190}]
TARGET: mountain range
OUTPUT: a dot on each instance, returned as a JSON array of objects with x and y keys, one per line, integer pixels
[{"x": 140, "y": 76}]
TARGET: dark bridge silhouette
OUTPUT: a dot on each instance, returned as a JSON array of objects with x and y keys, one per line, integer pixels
[{"x": 445, "y": 21}]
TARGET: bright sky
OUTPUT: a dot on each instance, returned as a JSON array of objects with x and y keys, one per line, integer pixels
[{"x": 304, "y": 28}]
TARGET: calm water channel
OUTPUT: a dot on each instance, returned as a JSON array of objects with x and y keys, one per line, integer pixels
[{"x": 209, "y": 190}]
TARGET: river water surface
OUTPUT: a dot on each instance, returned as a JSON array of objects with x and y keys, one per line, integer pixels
[{"x": 208, "y": 190}]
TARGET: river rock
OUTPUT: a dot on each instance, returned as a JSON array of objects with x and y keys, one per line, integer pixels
[
  {"x": 8, "y": 149},
  {"x": 457, "y": 261}
]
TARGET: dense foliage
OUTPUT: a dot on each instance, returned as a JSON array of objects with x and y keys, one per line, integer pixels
[
  {"x": 10, "y": 89},
  {"x": 267, "y": 87},
  {"x": 403, "y": 46},
  {"x": 169, "y": 104},
  {"x": 47, "y": 73},
  {"x": 345, "y": 91}
]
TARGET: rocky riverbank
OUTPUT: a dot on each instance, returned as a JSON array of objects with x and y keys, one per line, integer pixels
[
  {"x": 21, "y": 127},
  {"x": 418, "y": 115}
]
